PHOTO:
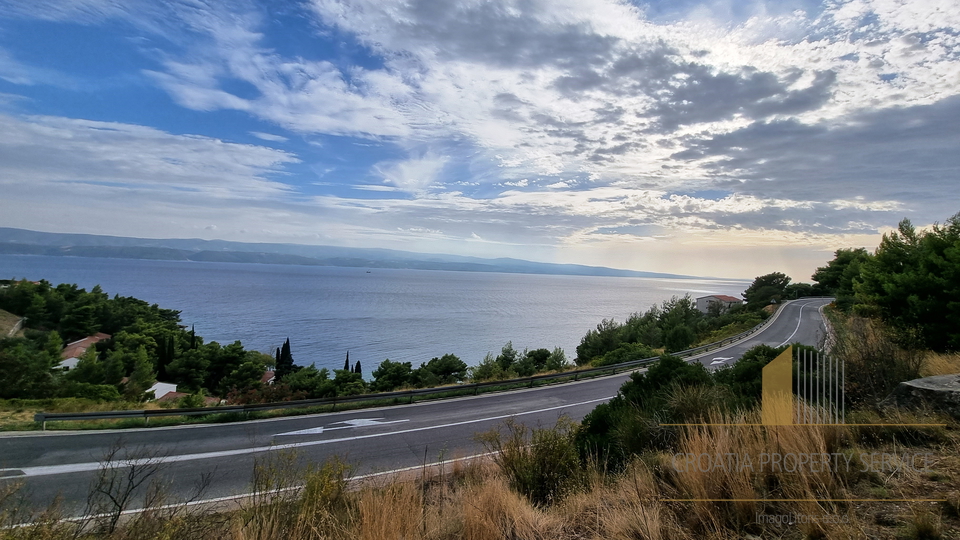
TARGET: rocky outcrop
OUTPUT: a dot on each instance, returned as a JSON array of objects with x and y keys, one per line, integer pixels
[{"x": 940, "y": 393}]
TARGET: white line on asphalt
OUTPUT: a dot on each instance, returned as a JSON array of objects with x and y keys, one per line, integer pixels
[
  {"x": 93, "y": 466},
  {"x": 799, "y": 322},
  {"x": 359, "y": 422}
]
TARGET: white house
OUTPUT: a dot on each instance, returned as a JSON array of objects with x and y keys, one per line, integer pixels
[{"x": 726, "y": 302}]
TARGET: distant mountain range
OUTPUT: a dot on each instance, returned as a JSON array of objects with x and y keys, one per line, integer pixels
[{"x": 24, "y": 242}]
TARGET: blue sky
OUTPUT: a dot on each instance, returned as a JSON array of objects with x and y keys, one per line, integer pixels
[{"x": 720, "y": 138}]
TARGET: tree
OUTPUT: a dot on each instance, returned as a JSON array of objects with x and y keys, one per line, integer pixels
[
  {"x": 346, "y": 363},
  {"x": 142, "y": 377},
  {"x": 24, "y": 370},
  {"x": 539, "y": 358},
  {"x": 489, "y": 370},
  {"x": 839, "y": 275},
  {"x": 246, "y": 376},
  {"x": 557, "y": 361},
  {"x": 766, "y": 289},
  {"x": 448, "y": 369},
  {"x": 348, "y": 383},
  {"x": 913, "y": 283},
  {"x": 357, "y": 369},
  {"x": 507, "y": 356},
  {"x": 391, "y": 375},
  {"x": 598, "y": 342},
  {"x": 189, "y": 370},
  {"x": 313, "y": 383},
  {"x": 285, "y": 362}
]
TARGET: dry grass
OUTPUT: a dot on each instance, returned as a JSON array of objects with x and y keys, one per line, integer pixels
[
  {"x": 649, "y": 499},
  {"x": 940, "y": 364},
  {"x": 7, "y": 322}
]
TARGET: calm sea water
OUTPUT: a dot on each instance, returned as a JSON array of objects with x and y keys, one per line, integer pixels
[{"x": 403, "y": 315}]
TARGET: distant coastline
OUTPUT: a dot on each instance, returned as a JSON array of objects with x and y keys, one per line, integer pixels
[{"x": 24, "y": 242}]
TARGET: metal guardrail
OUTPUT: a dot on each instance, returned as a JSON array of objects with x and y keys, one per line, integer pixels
[{"x": 612, "y": 369}]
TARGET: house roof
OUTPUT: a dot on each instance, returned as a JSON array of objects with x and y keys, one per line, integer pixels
[{"x": 76, "y": 348}]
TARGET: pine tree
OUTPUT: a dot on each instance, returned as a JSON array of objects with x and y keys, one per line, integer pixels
[{"x": 356, "y": 368}]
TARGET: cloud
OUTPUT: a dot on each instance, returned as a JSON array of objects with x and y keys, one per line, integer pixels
[
  {"x": 415, "y": 175},
  {"x": 46, "y": 151},
  {"x": 888, "y": 161},
  {"x": 268, "y": 136}
]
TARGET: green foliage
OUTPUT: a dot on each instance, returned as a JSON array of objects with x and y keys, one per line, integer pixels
[
  {"x": 626, "y": 352},
  {"x": 766, "y": 289},
  {"x": 837, "y": 278},
  {"x": 557, "y": 361},
  {"x": 629, "y": 422},
  {"x": 25, "y": 368},
  {"x": 313, "y": 383},
  {"x": 489, "y": 370},
  {"x": 913, "y": 283},
  {"x": 192, "y": 401},
  {"x": 94, "y": 392},
  {"x": 541, "y": 464},
  {"x": 391, "y": 375},
  {"x": 141, "y": 378},
  {"x": 246, "y": 375},
  {"x": 676, "y": 325},
  {"x": 448, "y": 369},
  {"x": 598, "y": 342},
  {"x": 507, "y": 356},
  {"x": 285, "y": 364},
  {"x": 189, "y": 371},
  {"x": 679, "y": 338},
  {"x": 348, "y": 383}
]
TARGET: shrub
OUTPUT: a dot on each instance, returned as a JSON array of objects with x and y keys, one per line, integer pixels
[
  {"x": 541, "y": 464},
  {"x": 875, "y": 364}
]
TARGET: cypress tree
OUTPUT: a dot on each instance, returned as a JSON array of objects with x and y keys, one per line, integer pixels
[
  {"x": 277, "y": 361},
  {"x": 346, "y": 363},
  {"x": 193, "y": 337},
  {"x": 285, "y": 363},
  {"x": 356, "y": 368}
]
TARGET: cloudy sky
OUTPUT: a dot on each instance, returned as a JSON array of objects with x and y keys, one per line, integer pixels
[{"x": 728, "y": 138}]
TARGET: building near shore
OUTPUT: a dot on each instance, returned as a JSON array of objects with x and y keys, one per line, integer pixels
[{"x": 725, "y": 302}]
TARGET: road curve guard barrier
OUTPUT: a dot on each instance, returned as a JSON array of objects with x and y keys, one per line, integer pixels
[{"x": 459, "y": 389}]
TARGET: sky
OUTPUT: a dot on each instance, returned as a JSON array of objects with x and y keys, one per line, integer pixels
[{"x": 725, "y": 138}]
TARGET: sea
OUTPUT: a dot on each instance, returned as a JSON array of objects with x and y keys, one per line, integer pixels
[{"x": 375, "y": 314}]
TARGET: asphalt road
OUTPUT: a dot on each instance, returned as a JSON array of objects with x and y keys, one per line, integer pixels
[{"x": 63, "y": 464}]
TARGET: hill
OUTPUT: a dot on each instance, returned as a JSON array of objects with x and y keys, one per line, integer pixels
[{"x": 24, "y": 242}]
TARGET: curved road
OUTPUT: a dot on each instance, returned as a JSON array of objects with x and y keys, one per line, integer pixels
[{"x": 373, "y": 440}]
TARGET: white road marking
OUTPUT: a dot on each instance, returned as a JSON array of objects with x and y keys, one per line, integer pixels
[
  {"x": 359, "y": 422},
  {"x": 48, "y": 470},
  {"x": 799, "y": 322},
  {"x": 720, "y": 360}
]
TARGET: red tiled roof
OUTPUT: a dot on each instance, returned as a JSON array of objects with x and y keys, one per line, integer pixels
[
  {"x": 77, "y": 348},
  {"x": 725, "y": 298}
]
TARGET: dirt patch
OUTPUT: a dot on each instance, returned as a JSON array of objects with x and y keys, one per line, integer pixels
[{"x": 7, "y": 322}]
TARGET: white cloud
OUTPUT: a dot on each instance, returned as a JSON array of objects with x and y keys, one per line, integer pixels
[
  {"x": 415, "y": 175},
  {"x": 45, "y": 151},
  {"x": 268, "y": 136}
]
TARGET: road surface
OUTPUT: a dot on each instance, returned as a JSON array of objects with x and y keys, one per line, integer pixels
[{"x": 373, "y": 440}]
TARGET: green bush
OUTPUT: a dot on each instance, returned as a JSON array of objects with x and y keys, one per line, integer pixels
[{"x": 541, "y": 464}]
